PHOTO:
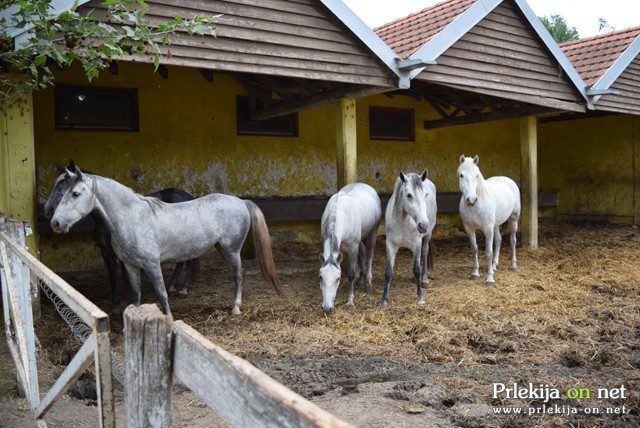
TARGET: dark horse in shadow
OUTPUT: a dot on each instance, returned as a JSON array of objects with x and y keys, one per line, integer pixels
[{"x": 102, "y": 238}]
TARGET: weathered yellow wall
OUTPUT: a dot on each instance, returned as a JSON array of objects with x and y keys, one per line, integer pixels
[
  {"x": 187, "y": 139},
  {"x": 17, "y": 160},
  {"x": 590, "y": 161}
]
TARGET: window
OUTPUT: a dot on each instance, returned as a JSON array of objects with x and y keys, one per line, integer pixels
[
  {"x": 89, "y": 108},
  {"x": 283, "y": 126},
  {"x": 389, "y": 123}
]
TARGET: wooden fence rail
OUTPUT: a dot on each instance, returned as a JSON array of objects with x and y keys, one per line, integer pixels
[
  {"x": 19, "y": 270},
  {"x": 235, "y": 389}
]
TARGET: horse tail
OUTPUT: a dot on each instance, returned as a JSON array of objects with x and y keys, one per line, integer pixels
[
  {"x": 262, "y": 243},
  {"x": 431, "y": 257}
]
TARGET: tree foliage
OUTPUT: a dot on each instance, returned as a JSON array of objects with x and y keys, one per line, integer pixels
[
  {"x": 559, "y": 29},
  {"x": 92, "y": 39}
]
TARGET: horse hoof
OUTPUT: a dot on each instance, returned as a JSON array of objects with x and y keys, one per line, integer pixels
[
  {"x": 172, "y": 289},
  {"x": 421, "y": 302},
  {"x": 183, "y": 292},
  {"x": 474, "y": 277},
  {"x": 490, "y": 283},
  {"x": 384, "y": 305},
  {"x": 235, "y": 312},
  {"x": 514, "y": 269}
]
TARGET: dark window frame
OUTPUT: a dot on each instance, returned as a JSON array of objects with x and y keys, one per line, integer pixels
[
  {"x": 122, "y": 99},
  {"x": 281, "y": 126},
  {"x": 406, "y": 115}
]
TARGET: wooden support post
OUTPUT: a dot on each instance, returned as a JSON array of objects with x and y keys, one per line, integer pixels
[
  {"x": 636, "y": 169},
  {"x": 346, "y": 142},
  {"x": 529, "y": 179},
  {"x": 148, "y": 377}
]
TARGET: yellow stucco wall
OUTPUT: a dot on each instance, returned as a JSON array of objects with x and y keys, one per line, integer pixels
[
  {"x": 591, "y": 163},
  {"x": 187, "y": 139},
  {"x": 17, "y": 160}
]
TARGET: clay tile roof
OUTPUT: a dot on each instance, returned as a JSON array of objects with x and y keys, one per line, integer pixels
[
  {"x": 592, "y": 56},
  {"x": 406, "y": 35}
]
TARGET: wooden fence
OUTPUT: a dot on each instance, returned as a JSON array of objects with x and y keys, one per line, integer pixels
[
  {"x": 235, "y": 389},
  {"x": 156, "y": 350},
  {"x": 20, "y": 273}
]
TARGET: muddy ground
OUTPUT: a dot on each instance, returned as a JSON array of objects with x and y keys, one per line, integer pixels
[{"x": 565, "y": 328}]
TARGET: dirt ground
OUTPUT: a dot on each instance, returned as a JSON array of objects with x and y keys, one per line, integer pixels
[{"x": 564, "y": 329}]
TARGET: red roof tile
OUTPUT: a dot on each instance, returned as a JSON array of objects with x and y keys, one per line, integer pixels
[
  {"x": 592, "y": 56},
  {"x": 406, "y": 35}
]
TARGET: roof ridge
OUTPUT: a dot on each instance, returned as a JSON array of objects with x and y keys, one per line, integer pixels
[{"x": 601, "y": 37}]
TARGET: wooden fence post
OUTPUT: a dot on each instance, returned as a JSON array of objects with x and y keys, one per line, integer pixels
[{"x": 148, "y": 376}]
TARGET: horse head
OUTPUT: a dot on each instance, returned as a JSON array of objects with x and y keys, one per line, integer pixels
[
  {"x": 63, "y": 180},
  {"x": 468, "y": 176},
  {"x": 329, "y": 277},
  {"x": 76, "y": 202},
  {"x": 414, "y": 198}
]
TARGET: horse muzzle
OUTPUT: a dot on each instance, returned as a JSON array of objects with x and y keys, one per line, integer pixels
[
  {"x": 328, "y": 310},
  {"x": 471, "y": 201},
  {"x": 59, "y": 228},
  {"x": 423, "y": 227}
]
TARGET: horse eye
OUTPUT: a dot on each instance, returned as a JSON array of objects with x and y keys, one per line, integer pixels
[
  {"x": 75, "y": 194},
  {"x": 410, "y": 196},
  {"x": 461, "y": 175}
]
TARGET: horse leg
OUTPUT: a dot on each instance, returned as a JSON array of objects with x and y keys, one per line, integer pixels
[
  {"x": 475, "y": 273},
  {"x": 352, "y": 255},
  {"x": 175, "y": 276},
  {"x": 417, "y": 272},
  {"x": 112, "y": 268},
  {"x": 133, "y": 275},
  {"x": 497, "y": 243},
  {"x": 154, "y": 273},
  {"x": 371, "y": 244},
  {"x": 362, "y": 256},
  {"x": 488, "y": 234},
  {"x": 513, "y": 229},
  {"x": 234, "y": 264},
  {"x": 187, "y": 277},
  {"x": 388, "y": 276},
  {"x": 425, "y": 257}
]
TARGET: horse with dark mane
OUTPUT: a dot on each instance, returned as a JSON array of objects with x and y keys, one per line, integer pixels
[
  {"x": 102, "y": 238},
  {"x": 149, "y": 232}
]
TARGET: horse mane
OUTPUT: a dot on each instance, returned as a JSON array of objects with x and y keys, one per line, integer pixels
[{"x": 156, "y": 204}]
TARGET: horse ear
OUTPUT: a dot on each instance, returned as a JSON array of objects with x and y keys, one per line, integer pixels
[
  {"x": 72, "y": 164},
  {"x": 79, "y": 173},
  {"x": 339, "y": 257},
  {"x": 403, "y": 177},
  {"x": 425, "y": 174},
  {"x": 462, "y": 158},
  {"x": 476, "y": 159},
  {"x": 321, "y": 257}
]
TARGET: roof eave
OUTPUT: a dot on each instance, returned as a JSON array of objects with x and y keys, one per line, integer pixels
[
  {"x": 442, "y": 41},
  {"x": 616, "y": 69},
  {"x": 555, "y": 50},
  {"x": 369, "y": 38},
  {"x": 21, "y": 35}
]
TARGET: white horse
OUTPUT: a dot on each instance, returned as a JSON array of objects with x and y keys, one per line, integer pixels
[
  {"x": 146, "y": 231},
  {"x": 351, "y": 217},
  {"x": 409, "y": 221},
  {"x": 486, "y": 205}
]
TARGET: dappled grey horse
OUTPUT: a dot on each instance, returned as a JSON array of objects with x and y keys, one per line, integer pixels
[
  {"x": 409, "y": 220},
  {"x": 146, "y": 231},
  {"x": 102, "y": 237}
]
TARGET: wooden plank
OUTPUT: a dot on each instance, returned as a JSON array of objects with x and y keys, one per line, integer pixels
[
  {"x": 148, "y": 356},
  {"x": 239, "y": 392}
]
